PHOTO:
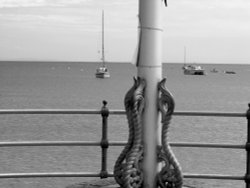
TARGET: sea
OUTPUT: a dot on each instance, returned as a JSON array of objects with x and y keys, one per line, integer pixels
[{"x": 72, "y": 85}]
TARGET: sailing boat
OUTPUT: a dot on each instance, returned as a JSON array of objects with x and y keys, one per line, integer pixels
[
  {"x": 192, "y": 69},
  {"x": 102, "y": 71}
]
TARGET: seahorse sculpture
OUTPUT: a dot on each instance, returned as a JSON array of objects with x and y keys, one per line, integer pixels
[
  {"x": 127, "y": 169},
  {"x": 170, "y": 175}
]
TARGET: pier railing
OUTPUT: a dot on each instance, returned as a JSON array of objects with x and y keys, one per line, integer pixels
[{"x": 104, "y": 143}]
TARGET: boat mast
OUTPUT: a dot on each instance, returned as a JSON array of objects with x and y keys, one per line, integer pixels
[
  {"x": 184, "y": 55},
  {"x": 103, "y": 57}
]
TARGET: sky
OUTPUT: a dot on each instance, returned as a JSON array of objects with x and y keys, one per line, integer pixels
[{"x": 212, "y": 31}]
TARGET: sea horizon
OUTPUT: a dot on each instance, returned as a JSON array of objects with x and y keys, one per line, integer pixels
[{"x": 117, "y": 62}]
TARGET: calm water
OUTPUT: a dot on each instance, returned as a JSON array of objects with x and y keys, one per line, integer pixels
[{"x": 73, "y": 85}]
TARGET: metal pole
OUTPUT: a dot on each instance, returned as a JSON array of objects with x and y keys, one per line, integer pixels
[
  {"x": 150, "y": 68},
  {"x": 104, "y": 142},
  {"x": 247, "y": 176}
]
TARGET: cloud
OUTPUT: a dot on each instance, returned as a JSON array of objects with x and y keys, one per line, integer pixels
[
  {"x": 47, "y": 13},
  {"x": 214, "y": 17},
  {"x": 38, "y": 3},
  {"x": 20, "y": 3}
]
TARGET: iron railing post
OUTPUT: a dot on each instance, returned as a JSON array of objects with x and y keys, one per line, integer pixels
[
  {"x": 104, "y": 142},
  {"x": 247, "y": 176}
]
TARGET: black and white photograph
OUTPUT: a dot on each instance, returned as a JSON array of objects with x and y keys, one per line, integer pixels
[{"x": 124, "y": 94}]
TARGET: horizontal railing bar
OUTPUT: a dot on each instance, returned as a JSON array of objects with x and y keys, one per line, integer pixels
[
  {"x": 117, "y": 112},
  {"x": 115, "y": 143},
  {"x": 49, "y": 111},
  {"x": 214, "y": 176},
  {"x": 92, "y": 174},
  {"x": 49, "y": 143},
  {"x": 208, "y": 145},
  {"x": 192, "y": 144},
  {"x": 49, "y": 174},
  {"x": 114, "y": 112},
  {"x": 193, "y": 113},
  {"x": 216, "y": 114}
]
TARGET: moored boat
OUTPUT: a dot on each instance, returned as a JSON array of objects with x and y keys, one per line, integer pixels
[
  {"x": 193, "y": 70},
  {"x": 229, "y": 72},
  {"x": 102, "y": 71}
]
